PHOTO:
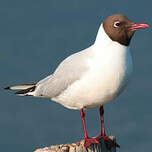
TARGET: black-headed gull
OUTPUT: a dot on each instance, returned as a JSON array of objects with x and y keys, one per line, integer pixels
[{"x": 91, "y": 77}]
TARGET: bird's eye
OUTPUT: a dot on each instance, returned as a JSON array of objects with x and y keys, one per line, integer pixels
[{"x": 116, "y": 24}]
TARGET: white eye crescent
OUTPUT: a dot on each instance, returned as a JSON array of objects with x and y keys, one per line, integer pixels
[{"x": 116, "y": 24}]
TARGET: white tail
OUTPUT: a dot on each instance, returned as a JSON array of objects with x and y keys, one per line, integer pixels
[
  {"x": 25, "y": 89},
  {"x": 21, "y": 86}
]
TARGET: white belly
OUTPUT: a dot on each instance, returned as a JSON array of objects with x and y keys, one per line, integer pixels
[{"x": 101, "y": 84}]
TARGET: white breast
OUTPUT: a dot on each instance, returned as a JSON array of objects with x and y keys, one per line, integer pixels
[{"x": 109, "y": 72}]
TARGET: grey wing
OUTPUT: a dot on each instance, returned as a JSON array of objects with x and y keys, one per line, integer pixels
[{"x": 69, "y": 71}]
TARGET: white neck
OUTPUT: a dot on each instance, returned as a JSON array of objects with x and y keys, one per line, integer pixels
[
  {"x": 103, "y": 42},
  {"x": 106, "y": 49},
  {"x": 102, "y": 38}
]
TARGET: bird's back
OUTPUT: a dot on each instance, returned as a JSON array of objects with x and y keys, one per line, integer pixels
[{"x": 70, "y": 70}]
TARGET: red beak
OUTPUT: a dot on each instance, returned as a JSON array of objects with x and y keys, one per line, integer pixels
[{"x": 137, "y": 26}]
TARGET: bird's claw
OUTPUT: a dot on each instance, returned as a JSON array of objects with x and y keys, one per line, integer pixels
[
  {"x": 108, "y": 142},
  {"x": 89, "y": 141}
]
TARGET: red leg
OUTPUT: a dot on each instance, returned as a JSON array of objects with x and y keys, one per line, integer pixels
[
  {"x": 88, "y": 141},
  {"x": 109, "y": 143},
  {"x": 102, "y": 121},
  {"x": 83, "y": 123}
]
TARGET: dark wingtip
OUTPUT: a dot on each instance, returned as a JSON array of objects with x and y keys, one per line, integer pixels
[
  {"x": 7, "y": 88},
  {"x": 23, "y": 92}
]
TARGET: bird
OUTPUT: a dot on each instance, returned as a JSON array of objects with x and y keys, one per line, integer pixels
[{"x": 92, "y": 77}]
